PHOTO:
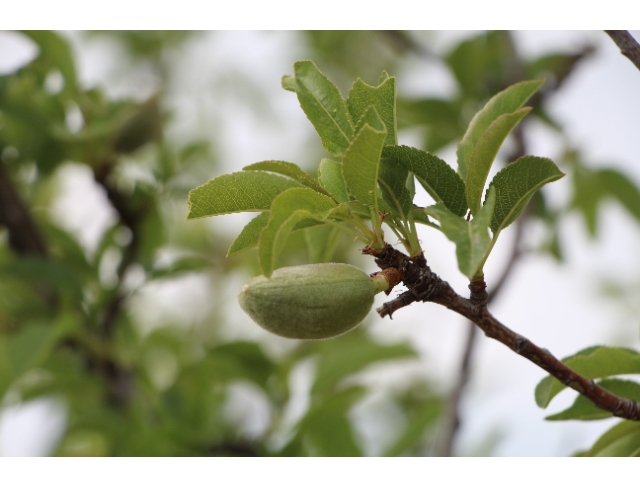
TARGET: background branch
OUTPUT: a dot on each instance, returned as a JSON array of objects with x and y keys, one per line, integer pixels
[
  {"x": 402, "y": 41},
  {"x": 453, "y": 422},
  {"x": 131, "y": 219},
  {"x": 24, "y": 237},
  {"x": 453, "y": 418},
  {"x": 120, "y": 379},
  {"x": 629, "y": 47}
]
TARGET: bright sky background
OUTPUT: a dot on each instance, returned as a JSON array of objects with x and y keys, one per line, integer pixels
[{"x": 556, "y": 306}]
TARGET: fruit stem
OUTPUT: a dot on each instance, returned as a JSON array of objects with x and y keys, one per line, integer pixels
[{"x": 380, "y": 282}]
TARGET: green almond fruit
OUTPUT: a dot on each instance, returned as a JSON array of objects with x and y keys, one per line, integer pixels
[{"x": 310, "y": 302}]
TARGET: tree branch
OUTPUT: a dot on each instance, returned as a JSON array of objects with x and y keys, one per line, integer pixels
[
  {"x": 629, "y": 47},
  {"x": 119, "y": 378},
  {"x": 427, "y": 286},
  {"x": 119, "y": 381},
  {"x": 131, "y": 218},
  {"x": 24, "y": 237}
]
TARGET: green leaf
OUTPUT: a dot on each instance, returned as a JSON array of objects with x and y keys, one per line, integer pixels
[
  {"x": 592, "y": 187},
  {"x": 392, "y": 178},
  {"x": 349, "y": 354},
  {"x": 54, "y": 273},
  {"x": 425, "y": 417},
  {"x": 361, "y": 164},
  {"x": 24, "y": 350},
  {"x": 358, "y": 208},
  {"x": 324, "y": 106},
  {"x": 236, "y": 192},
  {"x": 507, "y": 101},
  {"x": 250, "y": 234},
  {"x": 419, "y": 216},
  {"x": 556, "y": 66},
  {"x": 516, "y": 184},
  {"x": 440, "y": 119},
  {"x": 150, "y": 234},
  {"x": 588, "y": 193},
  {"x": 330, "y": 178},
  {"x": 471, "y": 238},
  {"x": 372, "y": 118},
  {"x": 410, "y": 184},
  {"x": 189, "y": 263},
  {"x": 288, "y": 169},
  {"x": 593, "y": 363},
  {"x": 623, "y": 189},
  {"x": 322, "y": 241},
  {"x": 248, "y": 359},
  {"x": 622, "y": 440},
  {"x": 382, "y": 97},
  {"x": 288, "y": 209},
  {"x": 58, "y": 54},
  {"x": 327, "y": 427},
  {"x": 484, "y": 154},
  {"x": 435, "y": 175},
  {"x": 484, "y": 63},
  {"x": 583, "y": 409}
]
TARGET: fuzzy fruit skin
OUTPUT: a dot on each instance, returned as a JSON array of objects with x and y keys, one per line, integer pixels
[{"x": 309, "y": 302}]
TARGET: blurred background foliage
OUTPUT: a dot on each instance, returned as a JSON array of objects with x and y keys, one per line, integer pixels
[{"x": 71, "y": 326}]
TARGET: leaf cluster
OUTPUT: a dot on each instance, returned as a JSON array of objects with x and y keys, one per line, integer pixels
[{"x": 371, "y": 178}]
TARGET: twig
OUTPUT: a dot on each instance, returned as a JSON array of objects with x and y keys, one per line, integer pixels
[
  {"x": 24, "y": 236},
  {"x": 427, "y": 286},
  {"x": 119, "y": 378},
  {"x": 629, "y": 47},
  {"x": 131, "y": 218}
]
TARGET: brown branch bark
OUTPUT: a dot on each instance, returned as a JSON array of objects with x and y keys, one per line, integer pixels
[
  {"x": 26, "y": 241},
  {"x": 427, "y": 286},
  {"x": 24, "y": 237},
  {"x": 120, "y": 379},
  {"x": 131, "y": 218},
  {"x": 629, "y": 47}
]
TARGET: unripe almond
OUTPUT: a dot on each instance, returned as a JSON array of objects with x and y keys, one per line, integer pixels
[{"x": 310, "y": 302}]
